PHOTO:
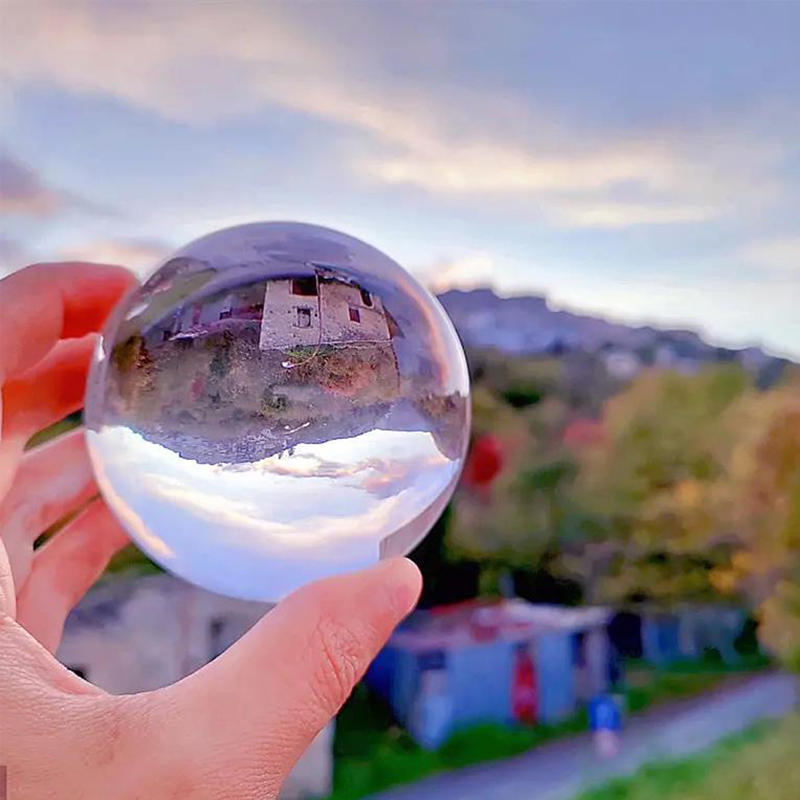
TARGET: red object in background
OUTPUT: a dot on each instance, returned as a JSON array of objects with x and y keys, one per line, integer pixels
[
  {"x": 523, "y": 689},
  {"x": 484, "y": 462}
]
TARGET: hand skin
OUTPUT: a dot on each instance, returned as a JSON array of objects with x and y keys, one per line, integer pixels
[{"x": 232, "y": 730}]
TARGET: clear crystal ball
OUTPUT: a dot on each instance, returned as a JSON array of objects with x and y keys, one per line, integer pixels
[{"x": 279, "y": 402}]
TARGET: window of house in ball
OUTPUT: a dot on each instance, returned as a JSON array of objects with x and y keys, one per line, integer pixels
[
  {"x": 304, "y": 287},
  {"x": 366, "y": 298},
  {"x": 355, "y": 315},
  {"x": 303, "y": 317}
]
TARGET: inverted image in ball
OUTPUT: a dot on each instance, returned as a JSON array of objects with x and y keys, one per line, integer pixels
[{"x": 277, "y": 403}]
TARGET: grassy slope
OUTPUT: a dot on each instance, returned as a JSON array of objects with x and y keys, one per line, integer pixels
[{"x": 761, "y": 764}]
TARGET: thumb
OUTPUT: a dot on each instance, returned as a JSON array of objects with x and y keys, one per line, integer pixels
[{"x": 248, "y": 715}]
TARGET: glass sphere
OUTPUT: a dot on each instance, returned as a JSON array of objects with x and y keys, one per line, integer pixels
[{"x": 279, "y": 402}]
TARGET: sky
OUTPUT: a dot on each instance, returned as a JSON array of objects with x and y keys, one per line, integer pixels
[
  {"x": 635, "y": 160},
  {"x": 280, "y": 522}
]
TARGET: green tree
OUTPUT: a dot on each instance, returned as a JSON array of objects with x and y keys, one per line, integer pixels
[
  {"x": 514, "y": 522},
  {"x": 648, "y": 532},
  {"x": 758, "y": 503}
]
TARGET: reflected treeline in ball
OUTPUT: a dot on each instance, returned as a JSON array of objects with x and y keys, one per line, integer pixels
[{"x": 277, "y": 403}]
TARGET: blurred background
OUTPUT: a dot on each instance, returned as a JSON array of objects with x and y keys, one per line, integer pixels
[{"x": 606, "y": 198}]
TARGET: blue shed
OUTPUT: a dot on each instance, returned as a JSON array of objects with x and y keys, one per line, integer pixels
[{"x": 507, "y": 662}]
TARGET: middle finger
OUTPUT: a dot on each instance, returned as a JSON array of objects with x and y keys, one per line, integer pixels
[{"x": 49, "y": 391}]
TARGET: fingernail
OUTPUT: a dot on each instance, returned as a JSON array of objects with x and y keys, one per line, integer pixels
[{"x": 405, "y": 585}]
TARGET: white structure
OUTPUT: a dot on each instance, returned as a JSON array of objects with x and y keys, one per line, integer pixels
[
  {"x": 311, "y": 310},
  {"x": 305, "y": 310},
  {"x": 240, "y": 303},
  {"x": 134, "y": 634},
  {"x": 622, "y": 364}
]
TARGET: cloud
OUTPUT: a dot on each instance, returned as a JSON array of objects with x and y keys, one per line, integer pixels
[
  {"x": 778, "y": 257},
  {"x": 656, "y": 179},
  {"x": 297, "y": 510},
  {"x": 583, "y": 213},
  {"x": 495, "y": 168},
  {"x": 140, "y": 255},
  {"x": 203, "y": 63},
  {"x": 186, "y": 61},
  {"x": 461, "y": 272},
  {"x": 132, "y": 521},
  {"x": 23, "y": 192}
]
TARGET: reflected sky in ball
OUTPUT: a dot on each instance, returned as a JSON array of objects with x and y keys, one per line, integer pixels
[{"x": 277, "y": 403}]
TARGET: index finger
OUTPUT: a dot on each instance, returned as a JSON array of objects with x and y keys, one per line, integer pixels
[{"x": 44, "y": 303}]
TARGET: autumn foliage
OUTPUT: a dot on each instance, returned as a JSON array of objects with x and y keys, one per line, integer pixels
[{"x": 679, "y": 488}]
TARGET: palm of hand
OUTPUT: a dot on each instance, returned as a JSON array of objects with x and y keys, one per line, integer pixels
[{"x": 233, "y": 729}]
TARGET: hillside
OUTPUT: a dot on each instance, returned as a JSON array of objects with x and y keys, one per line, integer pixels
[{"x": 526, "y": 325}]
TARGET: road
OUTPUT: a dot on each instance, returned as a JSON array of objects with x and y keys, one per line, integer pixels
[{"x": 560, "y": 770}]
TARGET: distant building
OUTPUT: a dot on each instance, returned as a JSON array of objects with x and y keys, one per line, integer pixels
[
  {"x": 688, "y": 632},
  {"x": 622, "y": 364},
  {"x": 506, "y": 662},
  {"x": 305, "y": 311},
  {"x": 670, "y": 356},
  {"x": 135, "y": 634},
  {"x": 691, "y": 631}
]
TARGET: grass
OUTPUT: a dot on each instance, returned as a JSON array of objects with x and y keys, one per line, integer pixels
[
  {"x": 647, "y": 686},
  {"x": 58, "y": 429},
  {"x": 760, "y": 764},
  {"x": 373, "y": 753}
]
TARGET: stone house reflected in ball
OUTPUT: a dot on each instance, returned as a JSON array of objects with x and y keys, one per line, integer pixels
[{"x": 315, "y": 309}]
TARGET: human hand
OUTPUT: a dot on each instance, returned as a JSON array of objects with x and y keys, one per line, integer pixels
[{"x": 232, "y": 730}]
